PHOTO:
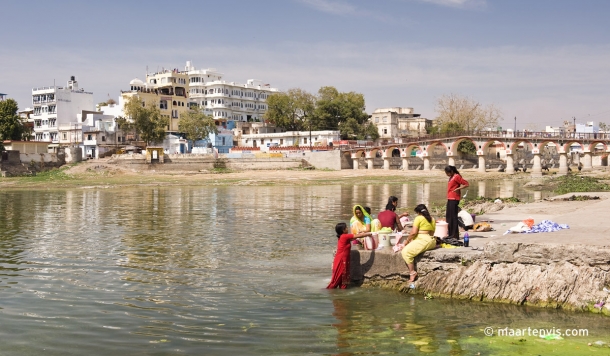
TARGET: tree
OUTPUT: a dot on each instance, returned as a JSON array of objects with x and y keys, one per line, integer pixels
[
  {"x": 604, "y": 127},
  {"x": 298, "y": 110},
  {"x": 145, "y": 119},
  {"x": 291, "y": 110},
  {"x": 345, "y": 112},
  {"x": 457, "y": 113},
  {"x": 196, "y": 125},
  {"x": 12, "y": 127}
]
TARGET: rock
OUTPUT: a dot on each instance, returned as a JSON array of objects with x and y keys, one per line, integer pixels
[{"x": 570, "y": 277}]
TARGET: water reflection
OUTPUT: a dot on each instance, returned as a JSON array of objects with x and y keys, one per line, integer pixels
[{"x": 229, "y": 269}]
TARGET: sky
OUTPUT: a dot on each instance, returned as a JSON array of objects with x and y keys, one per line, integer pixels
[{"x": 541, "y": 61}]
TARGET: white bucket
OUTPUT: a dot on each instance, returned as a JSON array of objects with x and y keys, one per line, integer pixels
[
  {"x": 384, "y": 239},
  {"x": 442, "y": 229}
]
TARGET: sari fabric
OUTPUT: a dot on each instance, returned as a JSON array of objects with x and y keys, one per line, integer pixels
[{"x": 356, "y": 225}]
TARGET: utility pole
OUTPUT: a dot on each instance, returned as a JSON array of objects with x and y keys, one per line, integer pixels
[
  {"x": 574, "y": 126},
  {"x": 310, "y": 134}
]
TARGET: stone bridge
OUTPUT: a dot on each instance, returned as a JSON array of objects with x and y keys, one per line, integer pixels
[{"x": 482, "y": 140}]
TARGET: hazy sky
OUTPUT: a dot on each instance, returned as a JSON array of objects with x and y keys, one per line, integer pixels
[{"x": 543, "y": 61}]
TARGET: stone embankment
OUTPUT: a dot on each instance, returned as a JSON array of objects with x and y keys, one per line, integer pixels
[{"x": 569, "y": 269}]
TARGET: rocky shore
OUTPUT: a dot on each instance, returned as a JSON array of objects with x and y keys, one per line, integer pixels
[{"x": 567, "y": 269}]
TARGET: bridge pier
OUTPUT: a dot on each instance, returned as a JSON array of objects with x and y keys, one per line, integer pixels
[
  {"x": 369, "y": 163},
  {"x": 451, "y": 161},
  {"x": 537, "y": 167},
  {"x": 563, "y": 164},
  {"x": 426, "y": 164},
  {"x": 405, "y": 164},
  {"x": 386, "y": 163},
  {"x": 481, "y": 168},
  {"x": 587, "y": 164},
  {"x": 356, "y": 162},
  {"x": 576, "y": 158},
  {"x": 510, "y": 164}
]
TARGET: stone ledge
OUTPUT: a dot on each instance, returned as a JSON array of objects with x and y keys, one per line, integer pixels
[{"x": 546, "y": 275}]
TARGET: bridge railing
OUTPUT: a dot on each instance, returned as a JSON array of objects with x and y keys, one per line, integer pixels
[{"x": 515, "y": 134}]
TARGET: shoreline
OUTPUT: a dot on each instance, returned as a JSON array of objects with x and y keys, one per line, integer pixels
[{"x": 102, "y": 174}]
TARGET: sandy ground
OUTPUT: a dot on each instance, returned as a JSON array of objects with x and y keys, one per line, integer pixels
[
  {"x": 102, "y": 168},
  {"x": 586, "y": 219}
]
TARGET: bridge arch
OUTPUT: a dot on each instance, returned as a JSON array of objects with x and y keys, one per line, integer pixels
[
  {"x": 516, "y": 144},
  {"x": 595, "y": 143},
  {"x": 453, "y": 148},
  {"x": 406, "y": 151}
]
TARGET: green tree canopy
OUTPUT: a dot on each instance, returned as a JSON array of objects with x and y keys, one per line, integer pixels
[
  {"x": 196, "y": 125},
  {"x": 11, "y": 125},
  {"x": 297, "y": 110},
  {"x": 291, "y": 110},
  {"x": 145, "y": 119}
]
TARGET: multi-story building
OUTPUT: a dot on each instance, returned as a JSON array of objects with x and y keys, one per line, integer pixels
[
  {"x": 168, "y": 89},
  {"x": 54, "y": 106},
  {"x": 399, "y": 122},
  {"x": 176, "y": 91},
  {"x": 228, "y": 101}
]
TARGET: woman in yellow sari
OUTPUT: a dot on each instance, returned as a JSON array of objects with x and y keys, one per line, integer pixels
[{"x": 361, "y": 221}]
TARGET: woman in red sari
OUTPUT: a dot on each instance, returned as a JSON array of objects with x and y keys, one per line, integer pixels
[{"x": 342, "y": 257}]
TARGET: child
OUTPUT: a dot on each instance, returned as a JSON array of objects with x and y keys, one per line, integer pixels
[{"x": 340, "y": 276}]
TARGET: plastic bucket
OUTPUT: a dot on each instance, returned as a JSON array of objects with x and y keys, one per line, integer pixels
[
  {"x": 442, "y": 229},
  {"x": 384, "y": 240}
]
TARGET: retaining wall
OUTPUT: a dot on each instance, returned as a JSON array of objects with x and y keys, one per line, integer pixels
[
  {"x": 195, "y": 162},
  {"x": 546, "y": 275}
]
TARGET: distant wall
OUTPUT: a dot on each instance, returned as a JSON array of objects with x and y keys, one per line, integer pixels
[{"x": 198, "y": 162}]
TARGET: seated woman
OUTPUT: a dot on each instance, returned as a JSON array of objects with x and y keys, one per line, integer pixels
[
  {"x": 375, "y": 223},
  {"x": 388, "y": 217},
  {"x": 420, "y": 239},
  {"x": 361, "y": 221}
]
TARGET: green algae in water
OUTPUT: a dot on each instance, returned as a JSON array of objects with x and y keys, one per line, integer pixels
[{"x": 373, "y": 321}]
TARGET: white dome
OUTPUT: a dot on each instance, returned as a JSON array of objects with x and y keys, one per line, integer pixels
[{"x": 136, "y": 82}]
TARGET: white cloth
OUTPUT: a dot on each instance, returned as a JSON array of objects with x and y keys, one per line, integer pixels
[{"x": 466, "y": 218}]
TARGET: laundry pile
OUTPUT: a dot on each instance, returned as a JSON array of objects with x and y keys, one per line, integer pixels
[
  {"x": 527, "y": 226},
  {"x": 547, "y": 226}
]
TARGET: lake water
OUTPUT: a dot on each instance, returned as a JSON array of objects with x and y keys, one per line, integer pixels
[{"x": 227, "y": 271}]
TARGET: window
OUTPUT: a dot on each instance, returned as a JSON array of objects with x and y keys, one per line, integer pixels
[
  {"x": 376, "y": 120},
  {"x": 163, "y": 104},
  {"x": 89, "y": 137},
  {"x": 103, "y": 138},
  {"x": 385, "y": 119},
  {"x": 64, "y": 136},
  {"x": 305, "y": 140},
  {"x": 385, "y": 131}
]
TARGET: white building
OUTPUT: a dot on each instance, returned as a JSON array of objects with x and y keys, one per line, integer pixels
[
  {"x": 399, "y": 122},
  {"x": 556, "y": 130},
  {"x": 54, "y": 106},
  {"x": 588, "y": 127},
  {"x": 290, "y": 139},
  {"x": 227, "y": 100},
  {"x": 99, "y": 134}
]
